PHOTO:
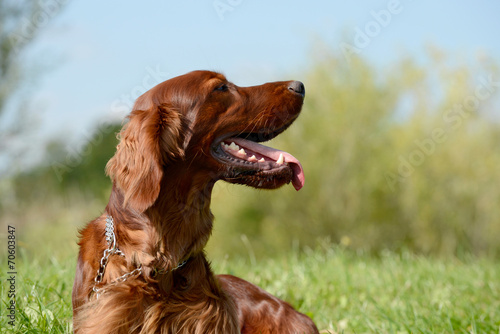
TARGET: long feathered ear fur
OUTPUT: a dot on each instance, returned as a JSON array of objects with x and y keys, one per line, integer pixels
[{"x": 148, "y": 142}]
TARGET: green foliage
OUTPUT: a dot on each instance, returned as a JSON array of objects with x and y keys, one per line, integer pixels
[
  {"x": 67, "y": 170},
  {"x": 84, "y": 168},
  {"x": 48, "y": 204},
  {"x": 402, "y": 157}
]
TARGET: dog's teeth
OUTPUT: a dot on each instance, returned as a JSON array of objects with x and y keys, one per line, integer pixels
[
  {"x": 262, "y": 160},
  {"x": 233, "y": 146},
  {"x": 242, "y": 151},
  {"x": 281, "y": 159},
  {"x": 253, "y": 158}
]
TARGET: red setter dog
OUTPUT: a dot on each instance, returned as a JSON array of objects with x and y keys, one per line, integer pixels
[{"x": 141, "y": 266}]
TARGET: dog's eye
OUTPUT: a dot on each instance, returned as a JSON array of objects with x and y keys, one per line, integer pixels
[{"x": 221, "y": 88}]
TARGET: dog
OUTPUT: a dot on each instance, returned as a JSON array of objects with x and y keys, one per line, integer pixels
[{"x": 141, "y": 266}]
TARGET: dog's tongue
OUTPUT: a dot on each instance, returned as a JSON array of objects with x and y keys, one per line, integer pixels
[{"x": 274, "y": 154}]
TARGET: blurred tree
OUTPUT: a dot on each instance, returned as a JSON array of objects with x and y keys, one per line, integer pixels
[
  {"x": 87, "y": 175},
  {"x": 63, "y": 173},
  {"x": 404, "y": 157},
  {"x": 20, "y": 23}
]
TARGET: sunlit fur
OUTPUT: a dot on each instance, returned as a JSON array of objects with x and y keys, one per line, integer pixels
[{"x": 163, "y": 175}]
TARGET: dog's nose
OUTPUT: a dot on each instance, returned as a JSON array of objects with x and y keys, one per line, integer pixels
[{"x": 297, "y": 87}]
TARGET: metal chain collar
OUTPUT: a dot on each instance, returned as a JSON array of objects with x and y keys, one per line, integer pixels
[
  {"x": 114, "y": 250},
  {"x": 163, "y": 271},
  {"x": 111, "y": 250}
]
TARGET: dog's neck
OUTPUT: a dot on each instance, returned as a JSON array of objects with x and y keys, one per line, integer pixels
[
  {"x": 182, "y": 213},
  {"x": 179, "y": 223}
]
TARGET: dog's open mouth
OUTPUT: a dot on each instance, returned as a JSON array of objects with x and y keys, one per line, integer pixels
[{"x": 258, "y": 165}]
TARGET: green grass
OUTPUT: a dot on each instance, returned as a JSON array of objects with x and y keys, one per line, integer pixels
[
  {"x": 43, "y": 295},
  {"x": 343, "y": 291}
]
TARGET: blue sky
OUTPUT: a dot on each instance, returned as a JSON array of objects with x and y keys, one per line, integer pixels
[{"x": 98, "y": 55}]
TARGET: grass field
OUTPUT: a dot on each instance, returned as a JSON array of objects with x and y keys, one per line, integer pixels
[{"x": 343, "y": 291}]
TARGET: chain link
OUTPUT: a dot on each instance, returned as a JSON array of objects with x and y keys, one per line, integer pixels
[
  {"x": 163, "y": 271},
  {"x": 122, "y": 278},
  {"x": 111, "y": 250},
  {"x": 114, "y": 250}
]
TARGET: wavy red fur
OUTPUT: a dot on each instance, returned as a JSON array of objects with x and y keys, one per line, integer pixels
[{"x": 163, "y": 172}]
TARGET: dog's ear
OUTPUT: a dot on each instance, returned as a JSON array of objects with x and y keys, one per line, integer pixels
[{"x": 148, "y": 142}]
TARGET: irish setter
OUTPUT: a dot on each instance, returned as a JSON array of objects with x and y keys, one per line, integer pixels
[{"x": 141, "y": 266}]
